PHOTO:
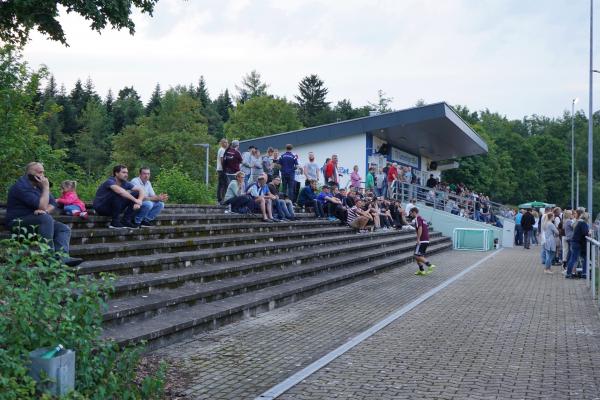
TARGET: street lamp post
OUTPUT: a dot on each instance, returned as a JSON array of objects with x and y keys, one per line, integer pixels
[
  {"x": 575, "y": 100},
  {"x": 206, "y": 146},
  {"x": 590, "y": 172}
]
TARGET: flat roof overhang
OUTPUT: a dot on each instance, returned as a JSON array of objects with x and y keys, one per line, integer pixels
[{"x": 435, "y": 131}]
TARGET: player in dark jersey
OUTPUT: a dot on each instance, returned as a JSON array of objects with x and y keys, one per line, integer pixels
[{"x": 422, "y": 243}]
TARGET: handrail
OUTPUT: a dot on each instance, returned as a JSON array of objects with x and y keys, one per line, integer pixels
[{"x": 591, "y": 260}]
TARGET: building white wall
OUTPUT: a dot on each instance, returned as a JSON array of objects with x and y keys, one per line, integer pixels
[{"x": 351, "y": 151}]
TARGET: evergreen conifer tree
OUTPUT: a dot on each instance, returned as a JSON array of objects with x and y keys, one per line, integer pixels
[
  {"x": 311, "y": 101},
  {"x": 155, "y": 99}
]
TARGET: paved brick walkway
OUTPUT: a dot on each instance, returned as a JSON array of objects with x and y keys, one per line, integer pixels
[
  {"x": 499, "y": 332},
  {"x": 504, "y": 331}
]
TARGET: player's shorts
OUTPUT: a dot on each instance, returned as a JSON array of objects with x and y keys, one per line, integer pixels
[{"x": 421, "y": 249}]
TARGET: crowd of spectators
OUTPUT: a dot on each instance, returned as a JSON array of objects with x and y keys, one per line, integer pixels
[{"x": 561, "y": 234}]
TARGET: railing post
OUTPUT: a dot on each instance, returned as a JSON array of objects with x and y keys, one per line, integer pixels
[
  {"x": 592, "y": 269},
  {"x": 588, "y": 247}
]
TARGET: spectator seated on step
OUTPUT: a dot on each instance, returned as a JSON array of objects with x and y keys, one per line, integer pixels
[
  {"x": 69, "y": 200},
  {"x": 385, "y": 215},
  {"x": 263, "y": 199},
  {"x": 358, "y": 218},
  {"x": 116, "y": 197},
  {"x": 153, "y": 203},
  {"x": 236, "y": 197},
  {"x": 325, "y": 204},
  {"x": 29, "y": 205},
  {"x": 307, "y": 196},
  {"x": 283, "y": 205}
]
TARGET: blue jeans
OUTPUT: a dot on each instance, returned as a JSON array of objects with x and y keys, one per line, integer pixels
[
  {"x": 518, "y": 235},
  {"x": 290, "y": 185},
  {"x": 57, "y": 233},
  {"x": 148, "y": 211},
  {"x": 71, "y": 208},
  {"x": 549, "y": 258},
  {"x": 575, "y": 252}
]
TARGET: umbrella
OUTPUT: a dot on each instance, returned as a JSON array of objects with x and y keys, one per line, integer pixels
[{"x": 535, "y": 204}]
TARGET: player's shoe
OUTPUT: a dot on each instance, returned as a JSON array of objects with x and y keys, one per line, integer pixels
[
  {"x": 431, "y": 268},
  {"x": 419, "y": 272}
]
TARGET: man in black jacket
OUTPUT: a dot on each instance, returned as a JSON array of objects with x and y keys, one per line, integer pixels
[{"x": 527, "y": 223}]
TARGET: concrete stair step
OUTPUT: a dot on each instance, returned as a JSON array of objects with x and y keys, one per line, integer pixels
[
  {"x": 182, "y": 218},
  {"x": 107, "y": 235},
  {"x": 172, "y": 326},
  {"x": 130, "y": 285},
  {"x": 166, "y": 261},
  {"x": 156, "y": 302},
  {"x": 124, "y": 249}
]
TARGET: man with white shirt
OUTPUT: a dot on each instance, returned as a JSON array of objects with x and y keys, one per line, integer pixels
[
  {"x": 152, "y": 204},
  {"x": 311, "y": 169}
]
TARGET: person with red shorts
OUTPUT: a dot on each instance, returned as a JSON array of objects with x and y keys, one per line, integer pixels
[{"x": 422, "y": 242}]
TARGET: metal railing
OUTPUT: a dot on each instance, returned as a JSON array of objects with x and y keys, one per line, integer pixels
[
  {"x": 446, "y": 201},
  {"x": 592, "y": 265}
]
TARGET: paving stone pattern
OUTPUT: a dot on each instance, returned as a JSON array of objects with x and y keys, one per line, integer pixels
[
  {"x": 504, "y": 331},
  {"x": 242, "y": 360}
]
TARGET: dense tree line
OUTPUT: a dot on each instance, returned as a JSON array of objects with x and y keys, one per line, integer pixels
[{"x": 81, "y": 133}]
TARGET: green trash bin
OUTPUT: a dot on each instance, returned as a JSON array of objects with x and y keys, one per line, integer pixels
[{"x": 59, "y": 371}]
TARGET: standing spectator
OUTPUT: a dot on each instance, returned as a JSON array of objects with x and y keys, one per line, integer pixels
[
  {"x": 519, "y": 229},
  {"x": 355, "y": 179},
  {"x": 221, "y": 175},
  {"x": 246, "y": 166},
  {"x": 115, "y": 197},
  {"x": 324, "y": 170},
  {"x": 567, "y": 237},
  {"x": 381, "y": 184},
  {"x": 267, "y": 164},
  {"x": 30, "y": 203},
  {"x": 370, "y": 181},
  {"x": 288, "y": 162},
  {"x": 276, "y": 165},
  {"x": 527, "y": 222},
  {"x": 311, "y": 169},
  {"x": 550, "y": 242},
  {"x": 153, "y": 203},
  {"x": 331, "y": 171},
  {"x": 284, "y": 207},
  {"x": 580, "y": 232},
  {"x": 256, "y": 165},
  {"x": 392, "y": 177},
  {"x": 431, "y": 182},
  {"x": 71, "y": 203},
  {"x": 536, "y": 227},
  {"x": 232, "y": 160}
]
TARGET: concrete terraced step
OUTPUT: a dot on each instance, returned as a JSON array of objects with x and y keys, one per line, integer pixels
[
  {"x": 95, "y": 221},
  {"x": 172, "y": 326},
  {"x": 107, "y": 235},
  {"x": 157, "y": 302},
  {"x": 143, "y": 283},
  {"x": 165, "y": 261},
  {"x": 124, "y": 249}
]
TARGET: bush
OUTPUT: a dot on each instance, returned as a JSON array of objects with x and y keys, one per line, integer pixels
[
  {"x": 182, "y": 189},
  {"x": 43, "y": 303}
]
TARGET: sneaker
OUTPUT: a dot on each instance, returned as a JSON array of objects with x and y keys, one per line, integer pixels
[
  {"x": 73, "y": 262},
  {"x": 547, "y": 271},
  {"x": 130, "y": 225},
  {"x": 147, "y": 223},
  {"x": 83, "y": 215},
  {"x": 422, "y": 273},
  {"x": 116, "y": 225},
  {"x": 332, "y": 219},
  {"x": 431, "y": 267}
]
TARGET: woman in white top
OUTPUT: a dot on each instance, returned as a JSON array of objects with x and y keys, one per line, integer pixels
[{"x": 551, "y": 241}]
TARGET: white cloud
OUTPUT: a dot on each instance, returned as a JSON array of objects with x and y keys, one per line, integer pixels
[{"x": 510, "y": 57}]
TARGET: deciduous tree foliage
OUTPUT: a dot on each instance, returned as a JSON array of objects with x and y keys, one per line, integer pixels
[
  {"x": 261, "y": 116},
  {"x": 19, "y": 17}
]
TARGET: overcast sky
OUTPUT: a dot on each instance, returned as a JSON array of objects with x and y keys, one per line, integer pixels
[{"x": 516, "y": 57}]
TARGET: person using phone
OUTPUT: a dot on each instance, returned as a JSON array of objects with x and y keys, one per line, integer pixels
[{"x": 30, "y": 204}]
